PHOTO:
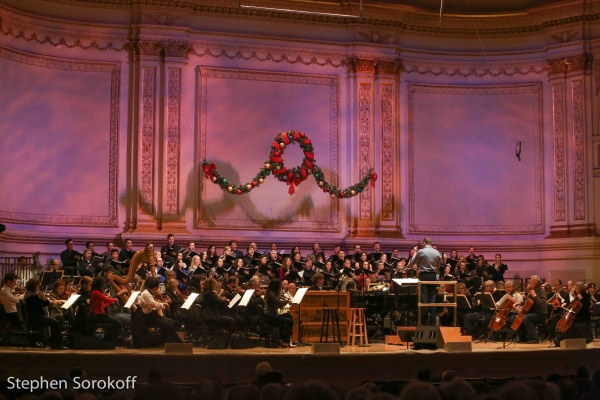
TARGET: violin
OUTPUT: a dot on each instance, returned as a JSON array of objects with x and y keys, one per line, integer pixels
[{"x": 568, "y": 317}]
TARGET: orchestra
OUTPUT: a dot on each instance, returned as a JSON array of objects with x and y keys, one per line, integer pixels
[{"x": 485, "y": 295}]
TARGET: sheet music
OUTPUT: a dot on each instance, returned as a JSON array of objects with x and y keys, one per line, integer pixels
[
  {"x": 299, "y": 295},
  {"x": 407, "y": 281},
  {"x": 247, "y": 295},
  {"x": 234, "y": 300},
  {"x": 131, "y": 300},
  {"x": 190, "y": 300},
  {"x": 70, "y": 301}
]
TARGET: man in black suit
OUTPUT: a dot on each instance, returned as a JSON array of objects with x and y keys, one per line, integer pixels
[
  {"x": 318, "y": 282},
  {"x": 170, "y": 250},
  {"x": 234, "y": 250},
  {"x": 70, "y": 258}
]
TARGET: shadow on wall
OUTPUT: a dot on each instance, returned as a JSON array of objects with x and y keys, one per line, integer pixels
[{"x": 301, "y": 207}]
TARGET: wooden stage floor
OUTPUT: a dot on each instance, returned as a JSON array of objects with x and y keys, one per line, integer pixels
[{"x": 351, "y": 367}]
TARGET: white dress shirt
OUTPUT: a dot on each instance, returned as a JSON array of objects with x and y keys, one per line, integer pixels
[
  {"x": 148, "y": 303},
  {"x": 9, "y": 300}
]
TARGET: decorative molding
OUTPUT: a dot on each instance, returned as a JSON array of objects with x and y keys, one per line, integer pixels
[
  {"x": 388, "y": 149},
  {"x": 171, "y": 203},
  {"x": 58, "y": 38},
  {"x": 111, "y": 220},
  {"x": 466, "y": 69},
  {"x": 365, "y": 136},
  {"x": 565, "y": 36},
  {"x": 358, "y": 65},
  {"x": 535, "y": 88},
  {"x": 563, "y": 65},
  {"x": 375, "y": 36},
  {"x": 164, "y": 19},
  {"x": 163, "y": 48},
  {"x": 148, "y": 99},
  {"x": 201, "y": 220},
  {"x": 269, "y": 54},
  {"x": 558, "y": 119},
  {"x": 383, "y": 67},
  {"x": 578, "y": 150},
  {"x": 597, "y": 76}
]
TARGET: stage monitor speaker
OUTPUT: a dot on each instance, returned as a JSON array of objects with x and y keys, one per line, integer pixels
[
  {"x": 179, "y": 348},
  {"x": 428, "y": 337},
  {"x": 435, "y": 337},
  {"x": 325, "y": 348}
]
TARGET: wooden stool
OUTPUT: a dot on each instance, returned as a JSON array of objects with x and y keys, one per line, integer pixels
[{"x": 357, "y": 320}]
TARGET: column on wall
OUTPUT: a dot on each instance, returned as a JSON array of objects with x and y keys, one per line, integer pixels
[
  {"x": 572, "y": 123},
  {"x": 387, "y": 147},
  {"x": 155, "y": 191},
  {"x": 374, "y": 102}
]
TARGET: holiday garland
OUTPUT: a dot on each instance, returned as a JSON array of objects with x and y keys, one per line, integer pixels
[{"x": 291, "y": 176}]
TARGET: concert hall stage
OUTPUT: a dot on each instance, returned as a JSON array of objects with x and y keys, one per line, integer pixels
[{"x": 354, "y": 365}]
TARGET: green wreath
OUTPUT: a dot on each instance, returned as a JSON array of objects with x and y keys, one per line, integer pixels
[{"x": 291, "y": 176}]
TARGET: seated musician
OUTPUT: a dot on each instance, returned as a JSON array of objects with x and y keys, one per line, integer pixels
[
  {"x": 561, "y": 298},
  {"x": 177, "y": 299},
  {"x": 9, "y": 299},
  {"x": 272, "y": 305},
  {"x": 152, "y": 317},
  {"x": 36, "y": 302},
  {"x": 484, "y": 306},
  {"x": 511, "y": 294},
  {"x": 213, "y": 307},
  {"x": 537, "y": 313},
  {"x": 122, "y": 295},
  {"x": 231, "y": 289},
  {"x": 58, "y": 288},
  {"x": 463, "y": 308},
  {"x": 85, "y": 265},
  {"x": 98, "y": 302},
  {"x": 318, "y": 281},
  {"x": 583, "y": 316}
]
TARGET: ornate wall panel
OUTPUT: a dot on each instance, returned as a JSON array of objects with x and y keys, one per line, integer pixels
[
  {"x": 365, "y": 132},
  {"x": 239, "y": 113},
  {"x": 558, "y": 117},
  {"x": 578, "y": 150},
  {"x": 147, "y": 112},
  {"x": 50, "y": 105},
  {"x": 388, "y": 165},
  {"x": 171, "y": 200},
  {"x": 477, "y": 186}
]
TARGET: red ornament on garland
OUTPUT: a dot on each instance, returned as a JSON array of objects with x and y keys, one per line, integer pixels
[
  {"x": 239, "y": 191},
  {"x": 254, "y": 183}
]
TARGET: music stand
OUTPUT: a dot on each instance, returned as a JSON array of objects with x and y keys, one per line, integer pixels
[
  {"x": 406, "y": 336},
  {"x": 48, "y": 278},
  {"x": 298, "y": 300}
]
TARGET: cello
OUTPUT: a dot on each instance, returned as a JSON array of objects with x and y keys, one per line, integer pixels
[
  {"x": 501, "y": 315},
  {"x": 566, "y": 321},
  {"x": 524, "y": 310}
]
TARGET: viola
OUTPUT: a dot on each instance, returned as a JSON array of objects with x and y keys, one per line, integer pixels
[
  {"x": 501, "y": 315},
  {"x": 566, "y": 321}
]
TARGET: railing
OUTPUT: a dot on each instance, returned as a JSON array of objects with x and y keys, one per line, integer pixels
[
  {"x": 436, "y": 283},
  {"x": 23, "y": 267}
]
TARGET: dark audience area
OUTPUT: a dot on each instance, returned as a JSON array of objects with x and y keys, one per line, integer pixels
[{"x": 274, "y": 385}]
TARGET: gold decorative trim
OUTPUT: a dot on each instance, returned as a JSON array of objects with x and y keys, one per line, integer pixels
[
  {"x": 388, "y": 144},
  {"x": 171, "y": 203},
  {"x": 201, "y": 218},
  {"x": 566, "y": 64},
  {"x": 538, "y": 227},
  {"x": 578, "y": 150},
  {"x": 111, "y": 220},
  {"x": 365, "y": 147},
  {"x": 148, "y": 110},
  {"x": 558, "y": 119}
]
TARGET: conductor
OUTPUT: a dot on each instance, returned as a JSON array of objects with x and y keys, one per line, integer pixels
[{"x": 428, "y": 261}]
